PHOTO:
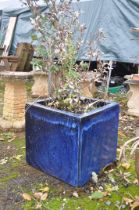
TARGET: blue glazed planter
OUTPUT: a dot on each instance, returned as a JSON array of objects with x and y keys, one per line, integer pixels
[{"x": 70, "y": 146}]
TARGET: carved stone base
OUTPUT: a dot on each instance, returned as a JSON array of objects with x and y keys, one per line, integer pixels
[
  {"x": 15, "y": 98},
  {"x": 133, "y": 102},
  {"x": 8, "y": 125}
]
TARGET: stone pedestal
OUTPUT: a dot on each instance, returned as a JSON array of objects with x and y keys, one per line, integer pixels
[
  {"x": 40, "y": 86},
  {"x": 15, "y": 98},
  {"x": 133, "y": 102},
  {"x": 87, "y": 84}
]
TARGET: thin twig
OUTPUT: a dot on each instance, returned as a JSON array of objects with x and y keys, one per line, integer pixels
[
  {"x": 109, "y": 77},
  {"x": 92, "y": 104}
]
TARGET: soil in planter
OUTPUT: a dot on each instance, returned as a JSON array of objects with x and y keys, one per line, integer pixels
[{"x": 76, "y": 105}]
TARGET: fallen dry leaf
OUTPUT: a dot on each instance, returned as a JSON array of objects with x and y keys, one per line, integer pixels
[
  {"x": 75, "y": 194},
  {"x": 38, "y": 206},
  {"x": 45, "y": 189},
  {"x": 38, "y": 195},
  {"x": 94, "y": 177},
  {"x": 26, "y": 196},
  {"x": 137, "y": 198},
  {"x": 128, "y": 201},
  {"x": 135, "y": 206},
  {"x": 135, "y": 181},
  {"x": 121, "y": 134},
  {"x": 125, "y": 165},
  {"x": 106, "y": 194},
  {"x": 44, "y": 196},
  {"x": 110, "y": 188},
  {"x": 92, "y": 188},
  {"x": 17, "y": 157},
  {"x": 3, "y": 161},
  {"x": 12, "y": 139}
]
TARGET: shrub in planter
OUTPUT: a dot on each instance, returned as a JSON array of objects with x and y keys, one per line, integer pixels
[
  {"x": 67, "y": 136},
  {"x": 60, "y": 36},
  {"x": 70, "y": 146}
]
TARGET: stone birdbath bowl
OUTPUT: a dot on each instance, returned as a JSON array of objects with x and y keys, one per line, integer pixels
[
  {"x": 15, "y": 98},
  {"x": 135, "y": 76},
  {"x": 133, "y": 101}
]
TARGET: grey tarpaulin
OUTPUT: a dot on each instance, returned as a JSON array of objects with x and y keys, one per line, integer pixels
[{"x": 115, "y": 18}]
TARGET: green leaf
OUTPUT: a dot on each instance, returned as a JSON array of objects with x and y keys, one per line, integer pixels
[
  {"x": 97, "y": 195},
  {"x": 34, "y": 37}
]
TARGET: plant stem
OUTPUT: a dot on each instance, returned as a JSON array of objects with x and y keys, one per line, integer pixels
[{"x": 108, "y": 81}]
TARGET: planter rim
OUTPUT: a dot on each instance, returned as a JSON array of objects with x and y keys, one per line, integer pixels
[{"x": 71, "y": 114}]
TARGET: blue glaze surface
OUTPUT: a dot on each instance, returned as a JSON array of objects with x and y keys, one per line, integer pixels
[{"x": 70, "y": 146}]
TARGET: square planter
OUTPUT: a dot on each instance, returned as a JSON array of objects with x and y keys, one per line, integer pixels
[{"x": 71, "y": 146}]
